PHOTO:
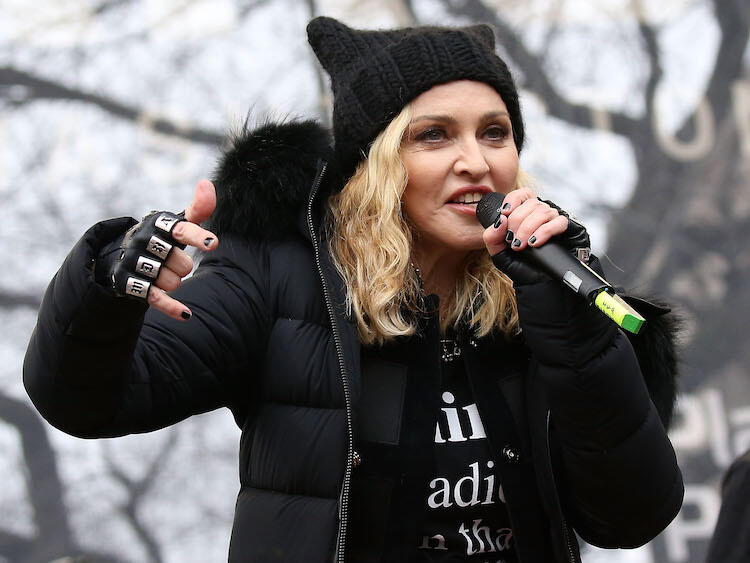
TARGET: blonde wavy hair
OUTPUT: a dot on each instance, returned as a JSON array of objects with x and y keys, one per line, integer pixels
[{"x": 371, "y": 245}]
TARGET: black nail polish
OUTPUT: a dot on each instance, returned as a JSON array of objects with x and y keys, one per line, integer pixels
[
  {"x": 532, "y": 239},
  {"x": 506, "y": 207},
  {"x": 498, "y": 221},
  {"x": 208, "y": 241},
  {"x": 509, "y": 236},
  {"x": 186, "y": 315},
  {"x": 516, "y": 243}
]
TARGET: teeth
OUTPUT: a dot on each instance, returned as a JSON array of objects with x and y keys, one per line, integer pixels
[{"x": 472, "y": 197}]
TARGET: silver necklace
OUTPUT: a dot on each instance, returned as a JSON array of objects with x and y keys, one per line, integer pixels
[{"x": 451, "y": 350}]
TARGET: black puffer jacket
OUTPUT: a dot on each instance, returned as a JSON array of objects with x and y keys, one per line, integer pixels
[{"x": 270, "y": 340}]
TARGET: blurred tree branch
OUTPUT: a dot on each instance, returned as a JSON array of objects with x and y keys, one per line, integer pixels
[
  {"x": 107, "y": 5},
  {"x": 16, "y": 300},
  {"x": 137, "y": 490},
  {"x": 245, "y": 7},
  {"x": 408, "y": 6},
  {"x": 14, "y": 547},
  {"x": 43, "y": 485},
  {"x": 20, "y": 87},
  {"x": 733, "y": 17},
  {"x": 652, "y": 51}
]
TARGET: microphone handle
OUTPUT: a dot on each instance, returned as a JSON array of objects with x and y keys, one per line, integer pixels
[{"x": 559, "y": 264}]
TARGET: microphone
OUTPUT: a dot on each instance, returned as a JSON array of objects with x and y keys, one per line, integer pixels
[{"x": 558, "y": 263}]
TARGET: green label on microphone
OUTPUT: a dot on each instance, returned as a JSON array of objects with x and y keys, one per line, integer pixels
[{"x": 619, "y": 311}]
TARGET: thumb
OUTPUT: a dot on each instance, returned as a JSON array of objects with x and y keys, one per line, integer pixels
[{"x": 203, "y": 204}]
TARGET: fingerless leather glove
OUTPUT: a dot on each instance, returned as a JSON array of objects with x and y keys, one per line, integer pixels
[{"x": 131, "y": 268}]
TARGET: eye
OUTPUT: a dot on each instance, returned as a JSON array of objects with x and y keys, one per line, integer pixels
[
  {"x": 431, "y": 135},
  {"x": 497, "y": 132}
]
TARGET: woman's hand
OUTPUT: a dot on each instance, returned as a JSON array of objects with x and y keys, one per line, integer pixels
[
  {"x": 152, "y": 261},
  {"x": 525, "y": 221}
]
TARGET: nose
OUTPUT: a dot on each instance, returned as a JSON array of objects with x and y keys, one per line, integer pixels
[{"x": 470, "y": 159}]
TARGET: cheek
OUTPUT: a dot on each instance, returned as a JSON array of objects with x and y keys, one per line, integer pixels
[
  {"x": 424, "y": 168},
  {"x": 421, "y": 193},
  {"x": 412, "y": 202},
  {"x": 506, "y": 172}
]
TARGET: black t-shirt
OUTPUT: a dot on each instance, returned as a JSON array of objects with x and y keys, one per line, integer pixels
[
  {"x": 426, "y": 487},
  {"x": 465, "y": 517}
]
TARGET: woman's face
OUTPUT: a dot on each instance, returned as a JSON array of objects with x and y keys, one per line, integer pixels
[{"x": 458, "y": 147}]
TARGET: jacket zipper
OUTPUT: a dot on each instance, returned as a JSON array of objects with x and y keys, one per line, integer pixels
[
  {"x": 564, "y": 524},
  {"x": 344, "y": 497}
]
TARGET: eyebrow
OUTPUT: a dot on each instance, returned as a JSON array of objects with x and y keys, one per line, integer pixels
[{"x": 451, "y": 119}]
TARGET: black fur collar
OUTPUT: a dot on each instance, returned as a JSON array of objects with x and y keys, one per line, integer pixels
[
  {"x": 656, "y": 347},
  {"x": 264, "y": 177}
]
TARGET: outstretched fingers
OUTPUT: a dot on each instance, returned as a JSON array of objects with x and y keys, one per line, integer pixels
[
  {"x": 159, "y": 300},
  {"x": 191, "y": 234},
  {"x": 179, "y": 263}
]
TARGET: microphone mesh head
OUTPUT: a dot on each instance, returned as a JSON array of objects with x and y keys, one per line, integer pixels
[{"x": 488, "y": 208}]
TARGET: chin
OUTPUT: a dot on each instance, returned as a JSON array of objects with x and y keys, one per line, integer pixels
[
  {"x": 468, "y": 244},
  {"x": 472, "y": 240}
]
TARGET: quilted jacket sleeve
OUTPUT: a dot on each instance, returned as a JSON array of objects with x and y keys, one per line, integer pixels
[
  {"x": 616, "y": 469},
  {"x": 98, "y": 365}
]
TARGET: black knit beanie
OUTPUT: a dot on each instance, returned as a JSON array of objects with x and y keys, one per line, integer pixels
[{"x": 374, "y": 74}]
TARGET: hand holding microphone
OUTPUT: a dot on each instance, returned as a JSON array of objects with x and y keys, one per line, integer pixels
[{"x": 524, "y": 263}]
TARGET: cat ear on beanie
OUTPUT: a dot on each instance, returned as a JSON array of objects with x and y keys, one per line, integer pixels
[
  {"x": 334, "y": 43},
  {"x": 484, "y": 33}
]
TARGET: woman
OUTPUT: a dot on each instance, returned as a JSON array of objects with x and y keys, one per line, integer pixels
[{"x": 399, "y": 397}]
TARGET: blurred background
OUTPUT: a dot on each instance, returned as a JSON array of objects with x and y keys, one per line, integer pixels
[{"x": 638, "y": 121}]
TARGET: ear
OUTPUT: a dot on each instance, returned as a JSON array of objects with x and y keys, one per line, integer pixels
[
  {"x": 484, "y": 34},
  {"x": 333, "y": 43}
]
